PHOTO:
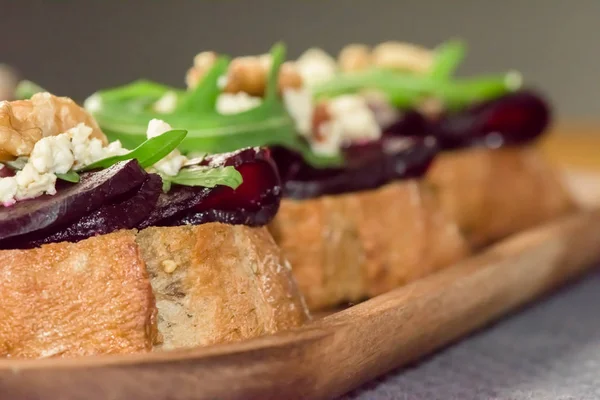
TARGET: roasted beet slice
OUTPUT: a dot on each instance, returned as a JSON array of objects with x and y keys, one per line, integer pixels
[
  {"x": 368, "y": 166},
  {"x": 122, "y": 214},
  {"x": 178, "y": 200},
  {"x": 45, "y": 213},
  {"x": 254, "y": 202},
  {"x": 513, "y": 119},
  {"x": 259, "y": 217}
]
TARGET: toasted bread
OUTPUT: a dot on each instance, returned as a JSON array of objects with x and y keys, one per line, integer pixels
[
  {"x": 213, "y": 283},
  {"x": 347, "y": 247},
  {"x": 70, "y": 299},
  {"x": 494, "y": 193},
  {"x": 218, "y": 283}
]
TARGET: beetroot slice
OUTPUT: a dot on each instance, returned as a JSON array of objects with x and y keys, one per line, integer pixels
[
  {"x": 123, "y": 214},
  {"x": 368, "y": 166},
  {"x": 71, "y": 202},
  {"x": 254, "y": 202}
]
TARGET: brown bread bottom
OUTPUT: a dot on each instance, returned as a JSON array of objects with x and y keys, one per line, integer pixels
[
  {"x": 347, "y": 247},
  {"x": 494, "y": 193},
  {"x": 213, "y": 283}
]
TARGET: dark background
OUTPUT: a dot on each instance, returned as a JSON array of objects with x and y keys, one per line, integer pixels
[{"x": 75, "y": 47}]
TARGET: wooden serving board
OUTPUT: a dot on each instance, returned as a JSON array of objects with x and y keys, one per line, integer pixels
[{"x": 335, "y": 354}]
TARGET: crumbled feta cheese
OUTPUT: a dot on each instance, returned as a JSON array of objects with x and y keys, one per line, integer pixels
[
  {"x": 174, "y": 161},
  {"x": 8, "y": 190},
  {"x": 299, "y": 105},
  {"x": 167, "y": 103},
  {"x": 316, "y": 66},
  {"x": 356, "y": 119},
  {"x": 31, "y": 183},
  {"x": 52, "y": 154},
  {"x": 157, "y": 127},
  {"x": 93, "y": 103},
  {"x": 88, "y": 150},
  {"x": 235, "y": 103}
]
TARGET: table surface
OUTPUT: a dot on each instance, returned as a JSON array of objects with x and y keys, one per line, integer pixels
[{"x": 550, "y": 350}]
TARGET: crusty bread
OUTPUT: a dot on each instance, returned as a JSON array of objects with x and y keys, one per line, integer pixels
[
  {"x": 95, "y": 296},
  {"x": 70, "y": 299},
  {"x": 352, "y": 246},
  {"x": 229, "y": 283},
  {"x": 494, "y": 193}
]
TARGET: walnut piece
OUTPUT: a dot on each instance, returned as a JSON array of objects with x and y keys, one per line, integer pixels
[
  {"x": 355, "y": 57},
  {"x": 24, "y": 122},
  {"x": 245, "y": 74},
  {"x": 402, "y": 56}
]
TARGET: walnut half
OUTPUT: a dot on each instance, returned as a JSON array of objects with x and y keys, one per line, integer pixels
[{"x": 24, "y": 122}]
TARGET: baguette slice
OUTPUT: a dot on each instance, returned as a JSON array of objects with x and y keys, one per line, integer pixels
[
  {"x": 229, "y": 283},
  {"x": 494, "y": 193},
  {"x": 96, "y": 296},
  {"x": 347, "y": 247}
]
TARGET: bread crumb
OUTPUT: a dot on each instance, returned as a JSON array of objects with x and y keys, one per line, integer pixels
[{"x": 169, "y": 266}]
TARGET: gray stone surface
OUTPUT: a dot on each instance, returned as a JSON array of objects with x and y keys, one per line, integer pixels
[{"x": 550, "y": 350}]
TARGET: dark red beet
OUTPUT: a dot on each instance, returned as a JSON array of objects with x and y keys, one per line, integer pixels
[
  {"x": 45, "y": 213},
  {"x": 368, "y": 166},
  {"x": 254, "y": 202},
  {"x": 513, "y": 119},
  {"x": 411, "y": 123},
  {"x": 124, "y": 214}
]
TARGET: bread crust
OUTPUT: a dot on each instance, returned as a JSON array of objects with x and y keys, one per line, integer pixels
[
  {"x": 352, "y": 246},
  {"x": 95, "y": 297},
  {"x": 75, "y": 299},
  {"x": 494, "y": 193},
  {"x": 229, "y": 283}
]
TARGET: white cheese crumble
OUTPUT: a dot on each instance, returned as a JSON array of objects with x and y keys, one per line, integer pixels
[
  {"x": 235, "y": 103},
  {"x": 167, "y": 103},
  {"x": 31, "y": 183},
  {"x": 8, "y": 190},
  {"x": 52, "y": 154},
  {"x": 355, "y": 118},
  {"x": 174, "y": 161},
  {"x": 316, "y": 66},
  {"x": 55, "y": 155},
  {"x": 300, "y": 106},
  {"x": 350, "y": 119}
]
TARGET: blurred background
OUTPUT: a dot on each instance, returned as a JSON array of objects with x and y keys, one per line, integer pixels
[{"x": 75, "y": 47}]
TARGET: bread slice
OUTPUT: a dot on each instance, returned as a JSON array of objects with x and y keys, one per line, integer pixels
[
  {"x": 218, "y": 283},
  {"x": 69, "y": 299},
  {"x": 347, "y": 247},
  {"x": 494, "y": 193},
  {"x": 212, "y": 283}
]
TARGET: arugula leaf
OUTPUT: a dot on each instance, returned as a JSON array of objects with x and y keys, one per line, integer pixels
[
  {"x": 406, "y": 90},
  {"x": 123, "y": 116},
  {"x": 147, "y": 153},
  {"x": 26, "y": 89},
  {"x": 204, "y": 176},
  {"x": 447, "y": 58},
  {"x": 203, "y": 98},
  {"x": 70, "y": 176}
]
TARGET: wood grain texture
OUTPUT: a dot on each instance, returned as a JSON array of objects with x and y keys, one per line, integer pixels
[{"x": 339, "y": 352}]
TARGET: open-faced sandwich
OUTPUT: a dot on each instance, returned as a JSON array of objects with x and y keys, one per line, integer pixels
[
  {"x": 368, "y": 204},
  {"x": 107, "y": 250}
]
